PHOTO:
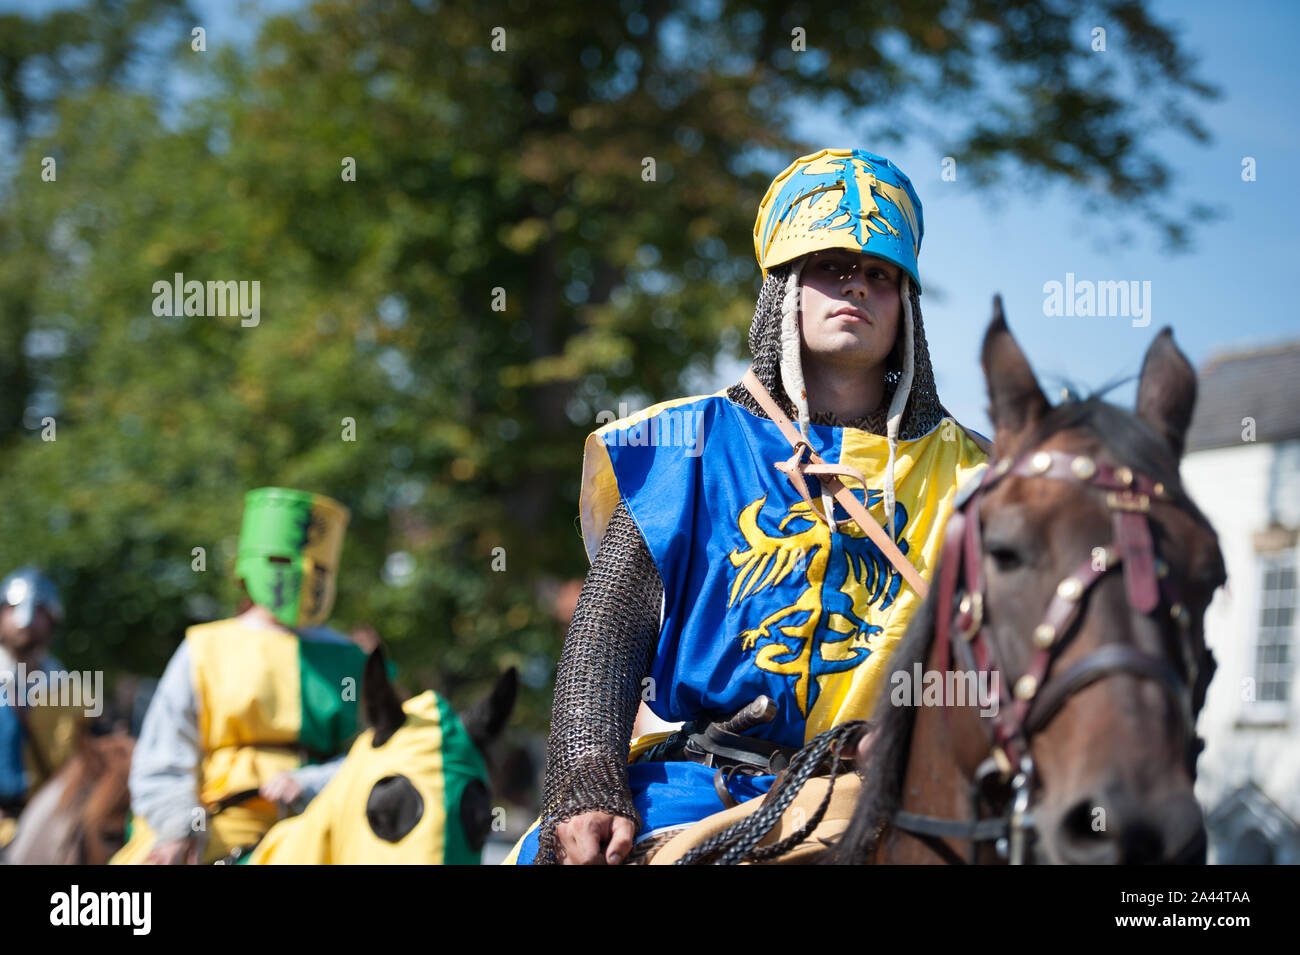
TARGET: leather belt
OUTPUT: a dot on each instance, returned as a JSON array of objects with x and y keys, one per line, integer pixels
[
  {"x": 705, "y": 742},
  {"x": 723, "y": 746}
]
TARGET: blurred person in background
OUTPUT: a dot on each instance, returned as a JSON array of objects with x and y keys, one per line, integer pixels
[
  {"x": 254, "y": 712},
  {"x": 35, "y": 741}
]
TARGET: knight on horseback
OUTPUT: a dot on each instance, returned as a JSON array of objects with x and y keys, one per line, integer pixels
[
  {"x": 253, "y": 711},
  {"x": 35, "y": 741},
  {"x": 757, "y": 553}
]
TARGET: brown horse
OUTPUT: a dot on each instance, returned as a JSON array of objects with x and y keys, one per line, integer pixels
[
  {"x": 1077, "y": 573},
  {"x": 79, "y": 816}
]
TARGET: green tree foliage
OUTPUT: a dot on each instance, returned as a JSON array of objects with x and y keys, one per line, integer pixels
[{"x": 480, "y": 172}]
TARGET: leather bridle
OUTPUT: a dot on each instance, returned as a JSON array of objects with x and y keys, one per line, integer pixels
[
  {"x": 1035, "y": 699},
  {"x": 1033, "y": 703}
]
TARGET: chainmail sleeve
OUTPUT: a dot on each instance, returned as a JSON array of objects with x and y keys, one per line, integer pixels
[{"x": 608, "y": 651}]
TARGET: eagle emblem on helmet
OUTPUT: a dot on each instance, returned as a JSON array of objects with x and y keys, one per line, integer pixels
[{"x": 840, "y": 199}]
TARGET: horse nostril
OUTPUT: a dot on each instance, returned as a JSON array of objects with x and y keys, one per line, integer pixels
[
  {"x": 1099, "y": 832},
  {"x": 1084, "y": 837},
  {"x": 1142, "y": 844}
]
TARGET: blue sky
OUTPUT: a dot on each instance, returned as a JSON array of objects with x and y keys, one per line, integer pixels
[{"x": 1236, "y": 288}]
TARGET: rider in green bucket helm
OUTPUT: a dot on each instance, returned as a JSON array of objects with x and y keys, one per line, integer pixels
[
  {"x": 262, "y": 703},
  {"x": 35, "y": 741}
]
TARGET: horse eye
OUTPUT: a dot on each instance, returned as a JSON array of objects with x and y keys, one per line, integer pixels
[
  {"x": 1214, "y": 576},
  {"x": 1005, "y": 558}
]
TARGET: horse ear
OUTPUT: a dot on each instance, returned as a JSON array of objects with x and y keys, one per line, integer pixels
[
  {"x": 1167, "y": 391},
  {"x": 485, "y": 720},
  {"x": 382, "y": 707},
  {"x": 1015, "y": 400}
]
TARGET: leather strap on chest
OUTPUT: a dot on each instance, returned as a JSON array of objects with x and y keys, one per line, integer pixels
[{"x": 828, "y": 475}]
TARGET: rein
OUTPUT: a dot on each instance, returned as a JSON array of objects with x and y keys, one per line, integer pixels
[{"x": 1035, "y": 699}]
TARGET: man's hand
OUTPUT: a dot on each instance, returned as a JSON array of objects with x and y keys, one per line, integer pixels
[
  {"x": 282, "y": 788},
  {"x": 176, "y": 852},
  {"x": 594, "y": 838},
  {"x": 863, "y": 754}
]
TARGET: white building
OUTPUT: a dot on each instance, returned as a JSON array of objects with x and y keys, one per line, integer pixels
[{"x": 1243, "y": 470}]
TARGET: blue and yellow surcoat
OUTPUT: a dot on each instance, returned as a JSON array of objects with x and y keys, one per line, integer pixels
[{"x": 759, "y": 596}]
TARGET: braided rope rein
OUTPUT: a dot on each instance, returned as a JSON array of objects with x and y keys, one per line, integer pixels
[{"x": 739, "y": 841}]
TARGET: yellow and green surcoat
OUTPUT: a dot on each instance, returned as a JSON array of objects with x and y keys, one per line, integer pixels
[{"x": 238, "y": 705}]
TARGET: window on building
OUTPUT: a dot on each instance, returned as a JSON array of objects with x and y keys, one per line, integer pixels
[{"x": 1274, "y": 636}]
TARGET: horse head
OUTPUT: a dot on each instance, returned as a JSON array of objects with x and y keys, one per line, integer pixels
[
  {"x": 79, "y": 816},
  {"x": 1077, "y": 573}
]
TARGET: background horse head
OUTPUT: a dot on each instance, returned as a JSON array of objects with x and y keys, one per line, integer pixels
[
  {"x": 79, "y": 816},
  {"x": 413, "y": 789},
  {"x": 1094, "y": 571}
]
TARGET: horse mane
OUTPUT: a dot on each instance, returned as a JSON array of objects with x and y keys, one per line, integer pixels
[
  {"x": 95, "y": 775},
  {"x": 1129, "y": 439},
  {"x": 892, "y": 729},
  {"x": 81, "y": 770}
]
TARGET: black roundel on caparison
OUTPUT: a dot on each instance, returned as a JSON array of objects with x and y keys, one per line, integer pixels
[{"x": 394, "y": 807}]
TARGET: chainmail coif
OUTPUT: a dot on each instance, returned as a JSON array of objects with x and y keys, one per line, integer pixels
[{"x": 611, "y": 640}]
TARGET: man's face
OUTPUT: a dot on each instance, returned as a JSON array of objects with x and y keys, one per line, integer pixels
[
  {"x": 25, "y": 640},
  {"x": 837, "y": 282}
]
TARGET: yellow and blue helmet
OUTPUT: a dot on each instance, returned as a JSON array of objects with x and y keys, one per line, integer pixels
[{"x": 840, "y": 199}]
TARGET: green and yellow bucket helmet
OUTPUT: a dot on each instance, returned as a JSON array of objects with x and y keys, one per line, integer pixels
[
  {"x": 840, "y": 199},
  {"x": 289, "y": 549}
]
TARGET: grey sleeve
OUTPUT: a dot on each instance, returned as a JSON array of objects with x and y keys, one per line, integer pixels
[
  {"x": 314, "y": 778},
  {"x": 608, "y": 651},
  {"x": 165, "y": 764}
]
